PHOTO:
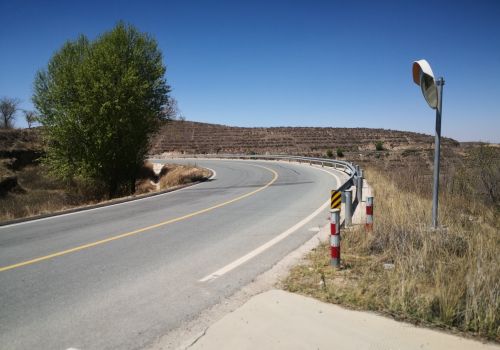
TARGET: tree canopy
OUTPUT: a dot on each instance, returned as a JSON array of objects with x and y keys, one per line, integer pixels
[{"x": 99, "y": 101}]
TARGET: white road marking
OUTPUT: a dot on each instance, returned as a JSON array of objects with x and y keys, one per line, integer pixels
[
  {"x": 263, "y": 247},
  {"x": 214, "y": 174},
  {"x": 231, "y": 266}
]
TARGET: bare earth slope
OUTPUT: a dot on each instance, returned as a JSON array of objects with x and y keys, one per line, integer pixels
[{"x": 194, "y": 137}]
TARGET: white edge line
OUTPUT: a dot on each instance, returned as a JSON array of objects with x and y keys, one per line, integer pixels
[
  {"x": 214, "y": 173},
  {"x": 263, "y": 247},
  {"x": 236, "y": 263},
  {"x": 84, "y": 211}
]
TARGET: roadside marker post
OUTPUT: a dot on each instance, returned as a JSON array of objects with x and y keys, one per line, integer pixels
[
  {"x": 369, "y": 214},
  {"x": 335, "y": 199},
  {"x": 348, "y": 208},
  {"x": 335, "y": 237}
]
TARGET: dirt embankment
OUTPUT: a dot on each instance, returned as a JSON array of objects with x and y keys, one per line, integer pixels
[{"x": 27, "y": 189}]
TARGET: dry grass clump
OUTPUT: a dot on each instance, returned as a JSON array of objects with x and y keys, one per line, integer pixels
[
  {"x": 174, "y": 175},
  {"x": 448, "y": 277},
  {"x": 38, "y": 193}
]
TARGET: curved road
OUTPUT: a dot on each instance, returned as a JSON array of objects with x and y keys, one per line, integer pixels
[{"x": 123, "y": 275}]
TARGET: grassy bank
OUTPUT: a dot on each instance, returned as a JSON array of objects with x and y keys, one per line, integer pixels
[
  {"x": 37, "y": 193},
  {"x": 448, "y": 278}
]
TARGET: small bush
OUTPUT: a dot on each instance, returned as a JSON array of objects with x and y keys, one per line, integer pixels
[
  {"x": 379, "y": 146},
  {"x": 340, "y": 152},
  {"x": 329, "y": 153}
]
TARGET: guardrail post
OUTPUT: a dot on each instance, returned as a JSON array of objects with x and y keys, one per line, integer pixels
[
  {"x": 359, "y": 188},
  {"x": 348, "y": 208},
  {"x": 335, "y": 237},
  {"x": 369, "y": 214}
]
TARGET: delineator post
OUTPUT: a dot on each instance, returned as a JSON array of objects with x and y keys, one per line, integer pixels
[
  {"x": 369, "y": 214},
  {"x": 335, "y": 237}
]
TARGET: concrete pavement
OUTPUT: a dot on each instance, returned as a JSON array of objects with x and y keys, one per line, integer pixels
[{"x": 280, "y": 320}]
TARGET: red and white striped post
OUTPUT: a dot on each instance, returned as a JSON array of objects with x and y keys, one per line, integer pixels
[
  {"x": 369, "y": 214},
  {"x": 335, "y": 237}
]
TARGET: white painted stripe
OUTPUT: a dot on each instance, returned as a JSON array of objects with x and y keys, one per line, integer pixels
[
  {"x": 335, "y": 241},
  {"x": 231, "y": 266},
  {"x": 214, "y": 174},
  {"x": 84, "y": 211},
  {"x": 265, "y": 246}
]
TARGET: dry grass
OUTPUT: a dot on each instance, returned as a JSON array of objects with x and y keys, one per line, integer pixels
[
  {"x": 174, "y": 175},
  {"x": 449, "y": 277},
  {"x": 38, "y": 193}
]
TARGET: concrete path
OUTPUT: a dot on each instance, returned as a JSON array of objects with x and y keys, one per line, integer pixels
[{"x": 280, "y": 320}]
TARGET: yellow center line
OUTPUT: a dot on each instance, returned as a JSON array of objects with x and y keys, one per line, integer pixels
[{"x": 127, "y": 234}]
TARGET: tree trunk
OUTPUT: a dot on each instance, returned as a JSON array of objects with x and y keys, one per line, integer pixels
[
  {"x": 113, "y": 186},
  {"x": 132, "y": 185}
]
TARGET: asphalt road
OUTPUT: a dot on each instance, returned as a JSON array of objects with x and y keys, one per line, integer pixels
[{"x": 119, "y": 277}]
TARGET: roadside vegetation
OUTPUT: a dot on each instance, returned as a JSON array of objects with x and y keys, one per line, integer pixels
[
  {"x": 99, "y": 101},
  {"x": 448, "y": 278},
  {"x": 37, "y": 192}
]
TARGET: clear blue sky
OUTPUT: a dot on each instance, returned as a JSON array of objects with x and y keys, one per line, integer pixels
[{"x": 289, "y": 63}]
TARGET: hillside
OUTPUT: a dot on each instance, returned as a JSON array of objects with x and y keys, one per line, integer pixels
[{"x": 195, "y": 138}]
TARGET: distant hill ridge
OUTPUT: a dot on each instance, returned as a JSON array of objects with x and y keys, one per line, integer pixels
[{"x": 194, "y": 137}]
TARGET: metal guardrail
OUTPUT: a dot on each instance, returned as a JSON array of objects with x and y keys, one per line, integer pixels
[{"x": 349, "y": 168}]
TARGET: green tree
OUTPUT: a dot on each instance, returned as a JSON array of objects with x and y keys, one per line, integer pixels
[{"x": 100, "y": 100}]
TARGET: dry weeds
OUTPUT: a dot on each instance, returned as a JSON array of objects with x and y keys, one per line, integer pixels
[
  {"x": 448, "y": 277},
  {"x": 174, "y": 175},
  {"x": 38, "y": 193}
]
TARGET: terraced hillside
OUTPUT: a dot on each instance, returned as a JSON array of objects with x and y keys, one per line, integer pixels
[{"x": 193, "y": 137}]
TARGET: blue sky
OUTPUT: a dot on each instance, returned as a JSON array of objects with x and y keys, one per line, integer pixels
[{"x": 289, "y": 63}]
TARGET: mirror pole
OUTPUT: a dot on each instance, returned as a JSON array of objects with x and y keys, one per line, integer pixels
[{"x": 437, "y": 144}]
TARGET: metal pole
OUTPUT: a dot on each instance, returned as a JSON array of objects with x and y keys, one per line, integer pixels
[
  {"x": 437, "y": 143},
  {"x": 348, "y": 208},
  {"x": 359, "y": 189}
]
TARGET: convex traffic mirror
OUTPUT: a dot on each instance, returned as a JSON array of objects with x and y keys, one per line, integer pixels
[{"x": 423, "y": 76}]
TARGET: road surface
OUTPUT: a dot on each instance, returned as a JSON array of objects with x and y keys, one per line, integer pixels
[{"x": 122, "y": 276}]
